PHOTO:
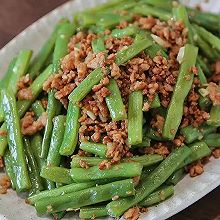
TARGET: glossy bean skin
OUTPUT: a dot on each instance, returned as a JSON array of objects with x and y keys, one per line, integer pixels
[
  {"x": 15, "y": 141},
  {"x": 90, "y": 196},
  {"x": 122, "y": 170},
  {"x": 90, "y": 211},
  {"x": 70, "y": 137},
  {"x": 53, "y": 157},
  {"x": 154, "y": 180}
]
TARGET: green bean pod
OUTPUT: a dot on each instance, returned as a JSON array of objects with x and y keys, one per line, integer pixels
[
  {"x": 135, "y": 117},
  {"x": 181, "y": 90},
  {"x": 9, "y": 169},
  {"x": 73, "y": 187},
  {"x": 212, "y": 140},
  {"x": 154, "y": 180},
  {"x": 158, "y": 196},
  {"x": 90, "y": 212},
  {"x": 38, "y": 108},
  {"x": 70, "y": 138},
  {"x": 15, "y": 142},
  {"x": 75, "y": 200},
  {"x": 53, "y": 108},
  {"x": 94, "y": 148},
  {"x": 56, "y": 174},
  {"x": 115, "y": 103},
  {"x": 176, "y": 176},
  {"x": 122, "y": 170}
]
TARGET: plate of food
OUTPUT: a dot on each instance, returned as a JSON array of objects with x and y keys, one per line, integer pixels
[{"x": 110, "y": 109}]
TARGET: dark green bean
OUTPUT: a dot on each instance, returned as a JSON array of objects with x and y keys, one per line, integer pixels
[
  {"x": 53, "y": 108},
  {"x": 90, "y": 196},
  {"x": 15, "y": 142},
  {"x": 154, "y": 180},
  {"x": 90, "y": 212},
  {"x": 176, "y": 176},
  {"x": 70, "y": 138},
  {"x": 94, "y": 148},
  {"x": 122, "y": 170},
  {"x": 212, "y": 140},
  {"x": 114, "y": 102},
  {"x": 53, "y": 158},
  {"x": 158, "y": 196},
  {"x": 181, "y": 90},
  {"x": 38, "y": 108},
  {"x": 135, "y": 117}
]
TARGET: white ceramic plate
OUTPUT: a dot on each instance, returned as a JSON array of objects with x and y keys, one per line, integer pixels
[{"x": 188, "y": 191}]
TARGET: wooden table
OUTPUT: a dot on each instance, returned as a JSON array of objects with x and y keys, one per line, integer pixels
[{"x": 16, "y": 15}]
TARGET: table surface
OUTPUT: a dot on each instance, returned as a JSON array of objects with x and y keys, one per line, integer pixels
[{"x": 16, "y": 15}]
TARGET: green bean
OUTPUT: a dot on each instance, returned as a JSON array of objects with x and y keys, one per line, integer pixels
[
  {"x": 135, "y": 117},
  {"x": 155, "y": 103},
  {"x": 122, "y": 170},
  {"x": 203, "y": 45},
  {"x": 34, "y": 171},
  {"x": 158, "y": 196},
  {"x": 94, "y": 148},
  {"x": 79, "y": 93},
  {"x": 204, "y": 65},
  {"x": 5, "y": 82},
  {"x": 45, "y": 51},
  {"x": 145, "y": 160},
  {"x": 36, "y": 88},
  {"x": 156, "y": 49},
  {"x": 154, "y": 135},
  {"x": 207, "y": 129},
  {"x": 3, "y": 140},
  {"x": 108, "y": 20},
  {"x": 70, "y": 138},
  {"x": 154, "y": 180},
  {"x": 201, "y": 75},
  {"x": 38, "y": 108},
  {"x": 159, "y": 3},
  {"x": 204, "y": 102},
  {"x": 181, "y": 90},
  {"x": 145, "y": 142},
  {"x": 56, "y": 174},
  {"x": 128, "y": 31},
  {"x": 73, "y": 187},
  {"x": 214, "y": 118},
  {"x": 198, "y": 151},
  {"x": 9, "y": 169},
  {"x": 213, "y": 40},
  {"x": 180, "y": 14},
  {"x": 91, "y": 161},
  {"x": 15, "y": 142},
  {"x": 114, "y": 102},
  {"x": 53, "y": 158},
  {"x": 91, "y": 212},
  {"x": 131, "y": 51},
  {"x": 64, "y": 33},
  {"x": 53, "y": 108},
  {"x": 98, "y": 45},
  {"x": 191, "y": 134},
  {"x": 212, "y": 140},
  {"x": 6, "y": 78},
  {"x": 90, "y": 196},
  {"x": 147, "y": 10},
  {"x": 19, "y": 69},
  {"x": 176, "y": 176}
]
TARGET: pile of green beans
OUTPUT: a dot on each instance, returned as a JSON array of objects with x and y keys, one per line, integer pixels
[{"x": 48, "y": 165}]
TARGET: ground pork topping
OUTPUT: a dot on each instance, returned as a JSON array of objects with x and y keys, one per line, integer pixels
[
  {"x": 29, "y": 126},
  {"x": 5, "y": 184},
  {"x": 192, "y": 113},
  {"x": 216, "y": 153},
  {"x": 105, "y": 164},
  {"x": 132, "y": 214},
  {"x": 195, "y": 169},
  {"x": 24, "y": 82},
  {"x": 214, "y": 93},
  {"x": 3, "y": 133},
  {"x": 25, "y": 94},
  {"x": 84, "y": 164},
  {"x": 159, "y": 148}
]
